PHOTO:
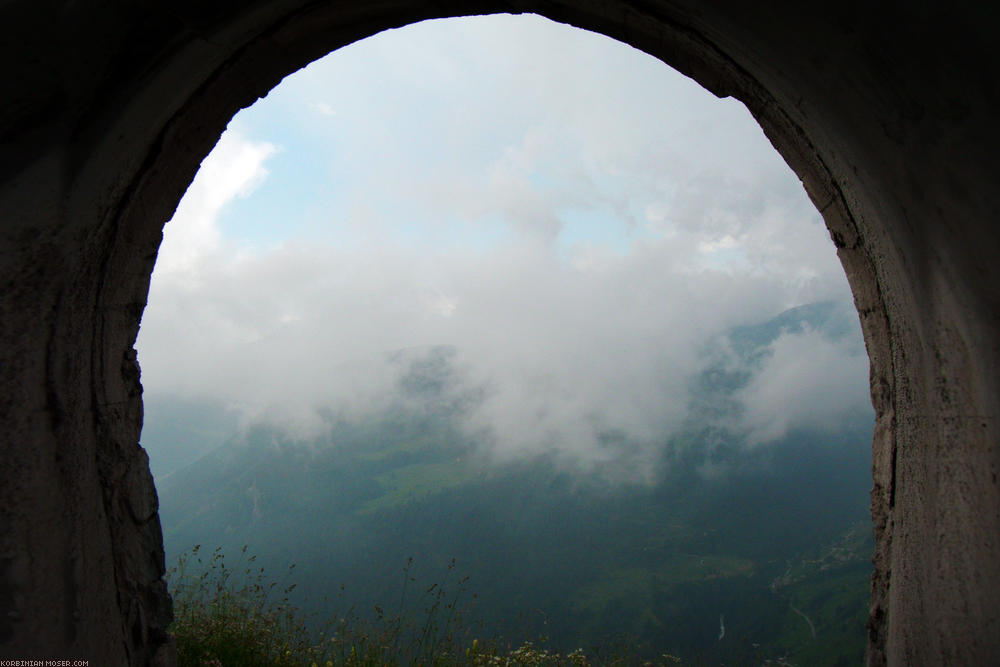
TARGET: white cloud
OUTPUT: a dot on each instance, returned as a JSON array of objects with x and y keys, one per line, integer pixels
[
  {"x": 437, "y": 201},
  {"x": 323, "y": 108},
  {"x": 808, "y": 381},
  {"x": 232, "y": 170}
]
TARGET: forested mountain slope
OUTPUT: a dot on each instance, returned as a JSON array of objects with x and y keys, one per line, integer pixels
[{"x": 726, "y": 548}]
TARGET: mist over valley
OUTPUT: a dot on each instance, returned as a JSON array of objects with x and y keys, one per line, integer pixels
[{"x": 650, "y": 551}]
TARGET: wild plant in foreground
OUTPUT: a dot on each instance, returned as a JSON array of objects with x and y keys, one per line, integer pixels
[{"x": 235, "y": 617}]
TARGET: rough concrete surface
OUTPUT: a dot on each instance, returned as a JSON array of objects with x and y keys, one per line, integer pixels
[{"x": 888, "y": 113}]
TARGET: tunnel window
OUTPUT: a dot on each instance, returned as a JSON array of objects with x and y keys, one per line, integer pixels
[{"x": 526, "y": 306}]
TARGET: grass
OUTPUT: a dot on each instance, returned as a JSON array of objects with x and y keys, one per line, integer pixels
[
  {"x": 235, "y": 616},
  {"x": 416, "y": 481},
  {"x": 227, "y": 615},
  {"x": 641, "y": 584}
]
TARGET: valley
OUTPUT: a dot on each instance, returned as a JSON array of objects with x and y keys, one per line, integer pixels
[{"x": 722, "y": 552}]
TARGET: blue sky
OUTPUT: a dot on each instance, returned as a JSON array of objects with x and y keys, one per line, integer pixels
[{"x": 571, "y": 214}]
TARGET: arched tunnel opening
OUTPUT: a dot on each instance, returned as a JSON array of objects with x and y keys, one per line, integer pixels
[
  {"x": 549, "y": 333},
  {"x": 885, "y": 115}
]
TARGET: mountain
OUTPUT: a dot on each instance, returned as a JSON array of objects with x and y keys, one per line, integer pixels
[
  {"x": 731, "y": 552},
  {"x": 177, "y": 431}
]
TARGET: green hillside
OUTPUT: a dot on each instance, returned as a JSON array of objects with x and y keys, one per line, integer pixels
[{"x": 769, "y": 560}]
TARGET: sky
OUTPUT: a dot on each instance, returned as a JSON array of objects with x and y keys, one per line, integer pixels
[{"x": 573, "y": 217}]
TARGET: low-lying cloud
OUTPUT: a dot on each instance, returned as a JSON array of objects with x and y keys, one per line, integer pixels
[
  {"x": 567, "y": 337},
  {"x": 807, "y": 381}
]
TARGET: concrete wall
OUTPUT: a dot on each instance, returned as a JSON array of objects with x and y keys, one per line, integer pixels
[{"x": 887, "y": 113}]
